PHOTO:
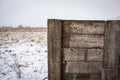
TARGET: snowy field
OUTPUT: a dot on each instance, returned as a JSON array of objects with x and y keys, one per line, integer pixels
[{"x": 23, "y": 56}]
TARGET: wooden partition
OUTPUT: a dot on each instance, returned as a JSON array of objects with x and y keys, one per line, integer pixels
[{"x": 83, "y": 50}]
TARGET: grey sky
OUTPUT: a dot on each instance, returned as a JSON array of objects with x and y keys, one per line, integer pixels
[{"x": 36, "y": 12}]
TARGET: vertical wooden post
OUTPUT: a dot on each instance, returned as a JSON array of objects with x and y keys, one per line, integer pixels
[
  {"x": 118, "y": 46},
  {"x": 111, "y": 59},
  {"x": 54, "y": 49}
]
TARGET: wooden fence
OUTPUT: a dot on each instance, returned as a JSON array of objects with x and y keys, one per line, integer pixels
[{"x": 83, "y": 50}]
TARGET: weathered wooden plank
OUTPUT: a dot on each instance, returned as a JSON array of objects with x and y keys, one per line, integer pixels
[
  {"x": 83, "y": 67},
  {"x": 111, "y": 54},
  {"x": 95, "y": 77},
  {"x": 83, "y": 27},
  {"x": 110, "y": 74},
  {"x": 54, "y": 49},
  {"x": 95, "y": 55},
  {"x": 118, "y": 42},
  {"x": 95, "y": 67},
  {"x": 111, "y": 58},
  {"x": 71, "y": 76},
  {"x": 76, "y": 67},
  {"x": 74, "y": 41},
  {"x": 72, "y": 54},
  {"x": 118, "y": 48}
]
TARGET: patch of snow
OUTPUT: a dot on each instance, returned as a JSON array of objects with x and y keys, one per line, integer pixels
[{"x": 23, "y": 56}]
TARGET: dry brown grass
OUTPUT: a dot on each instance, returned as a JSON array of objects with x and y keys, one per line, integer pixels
[{"x": 22, "y": 29}]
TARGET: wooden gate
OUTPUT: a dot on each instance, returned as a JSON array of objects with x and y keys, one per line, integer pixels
[{"x": 83, "y": 50}]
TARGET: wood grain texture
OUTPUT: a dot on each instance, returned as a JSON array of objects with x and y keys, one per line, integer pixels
[
  {"x": 83, "y": 67},
  {"x": 111, "y": 58},
  {"x": 83, "y": 27},
  {"x": 110, "y": 74},
  {"x": 75, "y": 41},
  {"x": 71, "y": 76},
  {"x": 76, "y": 67},
  {"x": 83, "y": 50},
  {"x": 95, "y": 77},
  {"x": 54, "y": 49},
  {"x": 95, "y": 55},
  {"x": 95, "y": 67},
  {"x": 118, "y": 46},
  {"x": 73, "y": 54}
]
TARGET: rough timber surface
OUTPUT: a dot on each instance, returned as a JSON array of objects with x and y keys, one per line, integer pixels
[
  {"x": 54, "y": 49},
  {"x": 83, "y": 27},
  {"x": 88, "y": 50},
  {"x": 74, "y": 41}
]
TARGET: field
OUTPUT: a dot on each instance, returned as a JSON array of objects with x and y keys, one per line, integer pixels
[{"x": 23, "y": 54}]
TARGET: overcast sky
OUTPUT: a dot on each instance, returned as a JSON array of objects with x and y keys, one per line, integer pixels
[{"x": 36, "y": 12}]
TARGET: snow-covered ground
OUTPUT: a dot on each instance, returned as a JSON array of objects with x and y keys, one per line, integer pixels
[{"x": 23, "y": 56}]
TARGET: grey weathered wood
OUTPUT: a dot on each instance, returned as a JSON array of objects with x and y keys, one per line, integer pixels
[
  {"x": 81, "y": 45},
  {"x": 71, "y": 76},
  {"x": 118, "y": 47},
  {"x": 54, "y": 49},
  {"x": 110, "y": 74},
  {"x": 118, "y": 42},
  {"x": 76, "y": 54},
  {"x": 111, "y": 58},
  {"x": 73, "y": 54},
  {"x": 95, "y": 67},
  {"x": 83, "y": 67},
  {"x": 83, "y": 27},
  {"x": 76, "y": 67},
  {"x": 74, "y": 41},
  {"x": 111, "y": 49},
  {"x": 95, "y": 55},
  {"x": 95, "y": 77}
]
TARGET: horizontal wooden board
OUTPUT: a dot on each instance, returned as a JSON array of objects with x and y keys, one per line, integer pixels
[
  {"x": 74, "y": 41},
  {"x": 76, "y": 67},
  {"x": 95, "y": 77},
  {"x": 71, "y": 76},
  {"x": 72, "y": 54},
  {"x": 79, "y": 27},
  {"x": 83, "y": 67},
  {"x": 95, "y": 67},
  {"x": 95, "y": 55}
]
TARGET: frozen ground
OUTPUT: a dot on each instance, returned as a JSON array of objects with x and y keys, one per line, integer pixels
[{"x": 23, "y": 56}]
